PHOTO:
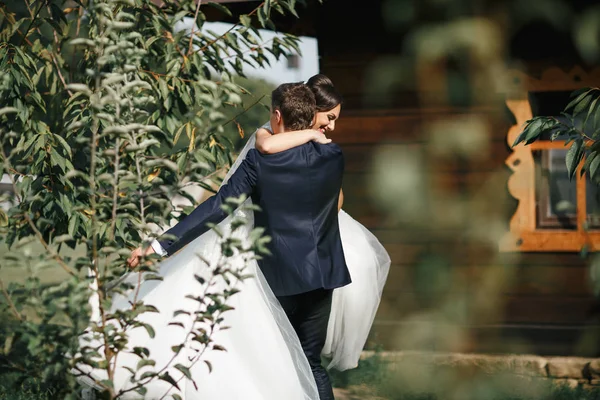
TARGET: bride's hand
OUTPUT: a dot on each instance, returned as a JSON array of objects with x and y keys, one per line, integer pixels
[
  {"x": 134, "y": 259},
  {"x": 320, "y": 137}
]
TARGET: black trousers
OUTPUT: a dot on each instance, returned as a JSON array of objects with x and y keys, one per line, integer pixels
[{"x": 309, "y": 315}]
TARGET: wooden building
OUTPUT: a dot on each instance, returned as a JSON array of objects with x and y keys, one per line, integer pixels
[{"x": 485, "y": 241}]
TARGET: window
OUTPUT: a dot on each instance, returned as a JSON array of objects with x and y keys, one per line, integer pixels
[
  {"x": 293, "y": 61},
  {"x": 553, "y": 212},
  {"x": 5, "y": 184},
  {"x": 6, "y": 189},
  {"x": 556, "y": 195}
]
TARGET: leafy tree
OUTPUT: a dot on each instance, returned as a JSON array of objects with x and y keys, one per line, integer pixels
[
  {"x": 579, "y": 124},
  {"x": 95, "y": 96}
]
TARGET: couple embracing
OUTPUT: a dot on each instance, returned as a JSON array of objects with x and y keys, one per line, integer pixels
[{"x": 315, "y": 294}]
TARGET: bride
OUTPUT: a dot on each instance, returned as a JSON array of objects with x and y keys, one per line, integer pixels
[{"x": 263, "y": 358}]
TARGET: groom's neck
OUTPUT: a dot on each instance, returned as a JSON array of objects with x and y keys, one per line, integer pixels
[{"x": 279, "y": 128}]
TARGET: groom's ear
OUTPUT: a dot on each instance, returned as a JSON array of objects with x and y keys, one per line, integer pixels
[{"x": 278, "y": 117}]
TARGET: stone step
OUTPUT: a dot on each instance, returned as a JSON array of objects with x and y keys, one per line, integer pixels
[{"x": 562, "y": 369}]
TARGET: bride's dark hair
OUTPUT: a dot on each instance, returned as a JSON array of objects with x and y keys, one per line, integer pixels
[{"x": 325, "y": 93}]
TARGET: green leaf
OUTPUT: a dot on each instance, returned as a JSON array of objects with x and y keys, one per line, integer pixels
[
  {"x": 3, "y": 218},
  {"x": 64, "y": 144},
  {"x": 271, "y": 25},
  {"x": 144, "y": 362},
  {"x": 164, "y": 88},
  {"x": 267, "y": 8},
  {"x": 207, "y": 155},
  {"x": 168, "y": 378},
  {"x": 16, "y": 26},
  {"x": 141, "y": 351},
  {"x": 8, "y": 110},
  {"x": 262, "y": 17},
  {"x": 590, "y": 113},
  {"x": 290, "y": 7},
  {"x": 147, "y": 374},
  {"x": 178, "y": 132},
  {"x": 582, "y": 104},
  {"x": 57, "y": 159},
  {"x": 574, "y": 155},
  {"x": 209, "y": 365},
  {"x": 55, "y": 24},
  {"x": 177, "y": 348},
  {"x": 57, "y": 13},
  {"x": 176, "y": 397},
  {"x": 245, "y": 20},
  {"x": 531, "y": 132},
  {"x": 577, "y": 99},
  {"x": 217, "y": 347},
  {"x": 221, "y": 8},
  {"x": 142, "y": 390},
  {"x": 185, "y": 370},
  {"x": 178, "y": 16},
  {"x": 588, "y": 161},
  {"x": 151, "y": 41},
  {"x": 594, "y": 167},
  {"x": 200, "y": 20},
  {"x": 149, "y": 329}
]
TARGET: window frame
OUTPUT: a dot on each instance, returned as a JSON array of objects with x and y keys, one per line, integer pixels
[{"x": 524, "y": 234}]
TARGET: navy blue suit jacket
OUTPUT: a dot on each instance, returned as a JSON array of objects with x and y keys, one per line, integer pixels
[{"x": 297, "y": 191}]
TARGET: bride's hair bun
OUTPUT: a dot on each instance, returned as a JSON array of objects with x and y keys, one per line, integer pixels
[
  {"x": 325, "y": 93},
  {"x": 319, "y": 80}
]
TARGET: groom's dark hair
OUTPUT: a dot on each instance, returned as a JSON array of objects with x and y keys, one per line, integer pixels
[{"x": 296, "y": 103}]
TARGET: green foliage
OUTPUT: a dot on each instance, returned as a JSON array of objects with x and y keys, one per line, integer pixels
[
  {"x": 256, "y": 98},
  {"x": 96, "y": 99},
  {"x": 372, "y": 371},
  {"x": 244, "y": 118},
  {"x": 579, "y": 125}
]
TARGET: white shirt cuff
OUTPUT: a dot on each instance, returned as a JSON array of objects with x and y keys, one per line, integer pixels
[{"x": 158, "y": 249}]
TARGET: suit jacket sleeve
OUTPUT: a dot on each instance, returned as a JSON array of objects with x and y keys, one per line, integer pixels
[{"x": 243, "y": 181}]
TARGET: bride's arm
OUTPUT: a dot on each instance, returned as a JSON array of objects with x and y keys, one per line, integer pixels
[
  {"x": 267, "y": 143},
  {"x": 340, "y": 200}
]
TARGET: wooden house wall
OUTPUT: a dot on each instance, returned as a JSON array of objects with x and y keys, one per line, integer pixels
[
  {"x": 544, "y": 305},
  {"x": 505, "y": 302}
]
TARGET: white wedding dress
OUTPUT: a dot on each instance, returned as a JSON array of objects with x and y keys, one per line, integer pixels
[{"x": 263, "y": 358}]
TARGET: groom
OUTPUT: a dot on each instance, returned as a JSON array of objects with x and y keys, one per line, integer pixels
[{"x": 297, "y": 191}]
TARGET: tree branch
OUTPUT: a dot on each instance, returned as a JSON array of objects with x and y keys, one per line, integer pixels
[
  {"x": 573, "y": 128},
  {"x": 206, "y": 46},
  {"x": 52, "y": 54},
  {"x": 32, "y": 20},
  {"x": 10, "y": 302},
  {"x": 191, "y": 330},
  {"x": 12, "y": 21},
  {"x": 189, "y": 52}
]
